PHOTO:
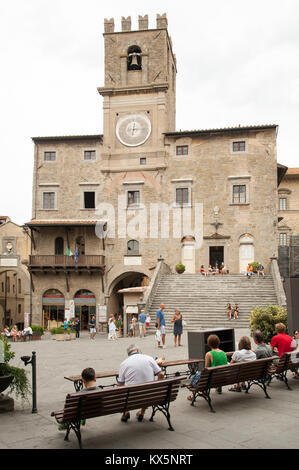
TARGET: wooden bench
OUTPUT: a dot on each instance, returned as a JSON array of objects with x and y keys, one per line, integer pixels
[
  {"x": 91, "y": 404},
  {"x": 78, "y": 383},
  {"x": 253, "y": 372},
  {"x": 193, "y": 366},
  {"x": 287, "y": 362}
]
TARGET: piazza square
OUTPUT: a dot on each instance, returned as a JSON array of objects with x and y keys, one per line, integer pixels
[{"x": 189, "y": 237}]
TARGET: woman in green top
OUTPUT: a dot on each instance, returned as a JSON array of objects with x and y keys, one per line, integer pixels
[{"x": 213, "y": 358}]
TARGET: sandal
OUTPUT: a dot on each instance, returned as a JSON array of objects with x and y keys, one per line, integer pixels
[
  {"x": 235, "y": 389},
  {"x": 125, "y": 418},
  {"x": 139, "y": 417}
]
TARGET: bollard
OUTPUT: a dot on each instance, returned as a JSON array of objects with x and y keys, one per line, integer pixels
[{"x": 32, "y": 360}]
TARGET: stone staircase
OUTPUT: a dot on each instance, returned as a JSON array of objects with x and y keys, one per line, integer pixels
[{"x": 202, "y": 300}]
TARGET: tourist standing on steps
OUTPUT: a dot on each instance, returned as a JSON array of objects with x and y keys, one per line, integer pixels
[
  {"x": 177, "y": 320},
  {"x": 160, "y": 322}
]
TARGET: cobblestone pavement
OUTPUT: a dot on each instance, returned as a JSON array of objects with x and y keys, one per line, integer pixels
[{"x": 241, "y": 421}]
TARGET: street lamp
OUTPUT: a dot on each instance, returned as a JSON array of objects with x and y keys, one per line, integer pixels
[{"x": 32, "y": 360}]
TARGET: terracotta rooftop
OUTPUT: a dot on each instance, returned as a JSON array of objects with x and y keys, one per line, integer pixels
[
  {"x": 53, "y": 222},
  {"x": 223, "y": 129},
  {"x": 68, "y": 137},
  {"x": 292, "y": 171}
]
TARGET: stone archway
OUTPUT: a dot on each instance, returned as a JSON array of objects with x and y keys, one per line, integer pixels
[
  {"x": 16, "y": 302},
  {"x": 128, "y": 280}
]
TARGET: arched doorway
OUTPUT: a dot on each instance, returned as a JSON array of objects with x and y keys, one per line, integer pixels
[
  {"x": 53, "y": 309},
  {"x": 14, "y": 297},
  {"x": 85, "y": 307},
  {"x": 188, "y": 253},
  {"x": 116, "y": 302},
  {"x": 246, "y": 251}
]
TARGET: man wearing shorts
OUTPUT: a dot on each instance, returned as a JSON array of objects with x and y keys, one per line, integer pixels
[
  {"x": 92, "y": 327},
  {"x": 160, "y": 320}
]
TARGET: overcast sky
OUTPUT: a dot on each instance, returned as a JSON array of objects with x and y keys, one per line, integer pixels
[{"x": 237, "y": 64}]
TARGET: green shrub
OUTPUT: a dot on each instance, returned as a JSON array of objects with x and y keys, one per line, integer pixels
[
  {"x": 265, "y": 319},
  {"x": 37, "y": 329},
  {"x": 20, "y": 384},
  {"x": 255, "y": 265},
  {"x": 57, "y": 331}
]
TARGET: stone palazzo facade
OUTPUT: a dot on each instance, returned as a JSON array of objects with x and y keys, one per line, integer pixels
[{"x": 107, "y": 206}]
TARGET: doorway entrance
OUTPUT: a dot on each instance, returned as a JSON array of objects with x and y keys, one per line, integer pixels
[
  {"x": 216, "y": 256},
  {"x": 85, "y": 307}
]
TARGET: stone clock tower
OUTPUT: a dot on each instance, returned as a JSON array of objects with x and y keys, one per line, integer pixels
[{"x": 139, "y": 94}]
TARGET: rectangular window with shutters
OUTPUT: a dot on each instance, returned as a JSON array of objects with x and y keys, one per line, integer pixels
[
  {"x": 181, "y": 150},
  {"x": 239, "y": 146},
  {"x": 182, "y": 196},
  {"x": 239, "y": 194},
  {"x": 133, "y": 198},
  {"x": 89, "y": 200},
  {"x": 282, "y": 203},
  {"x": 49, "y": 200},
  {"x": 282, "y": 239},
  {"x": 89, "y": 155},
  {"x": 49, "y": 156}
]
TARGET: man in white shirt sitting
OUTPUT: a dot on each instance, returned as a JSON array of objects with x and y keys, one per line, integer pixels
[
  {"x": 138, "y": 368},
  {"x": 27, "y": 332}
]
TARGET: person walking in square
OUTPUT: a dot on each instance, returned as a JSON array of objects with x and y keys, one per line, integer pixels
[
  {"x": 160, "y": 322},
  {"x": 177, "y": 321},
  {"x": 92, "y": 327},
  {"x": 112, "y": 328},
  {"x": 141, "y": 322}
]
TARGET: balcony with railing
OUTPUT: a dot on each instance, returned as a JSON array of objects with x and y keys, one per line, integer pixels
[{"x": 66, "y": 263}]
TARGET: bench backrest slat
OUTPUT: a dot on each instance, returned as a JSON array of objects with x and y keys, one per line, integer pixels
[
  {"x": 288, "y": 361},
  {"x": 234, "y": 373},
  {"x": 115, "y": 400}
]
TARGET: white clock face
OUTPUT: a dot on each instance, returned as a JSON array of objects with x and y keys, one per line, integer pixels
[{"x": 133, "y": 129}]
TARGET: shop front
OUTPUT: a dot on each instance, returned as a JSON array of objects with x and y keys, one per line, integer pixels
[
  {"x": 85, "y": 307},
  {"x": 53, "y": 309}
]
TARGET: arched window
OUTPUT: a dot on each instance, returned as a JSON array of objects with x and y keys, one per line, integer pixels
[
  {"x": 59, "y": 246},
  {"x": 80, "y": 245},
  {"x": 134, "y": 58},
  {"x": 133, "y": 247}
]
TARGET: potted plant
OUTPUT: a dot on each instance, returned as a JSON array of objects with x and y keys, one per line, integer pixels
[
  {"x": 180, "y": 268},
  {"x": 37, "y": 331},
  {"x": 58, "y": 333},
  {"x": 13, "y": 377},
  {"x": 255, "y": 266}
]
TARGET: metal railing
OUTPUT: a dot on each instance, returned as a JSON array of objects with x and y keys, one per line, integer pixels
[{"x": 66, "y": 261}]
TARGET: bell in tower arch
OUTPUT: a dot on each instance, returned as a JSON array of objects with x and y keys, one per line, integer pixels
[{"x": 134, "y": 58}]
